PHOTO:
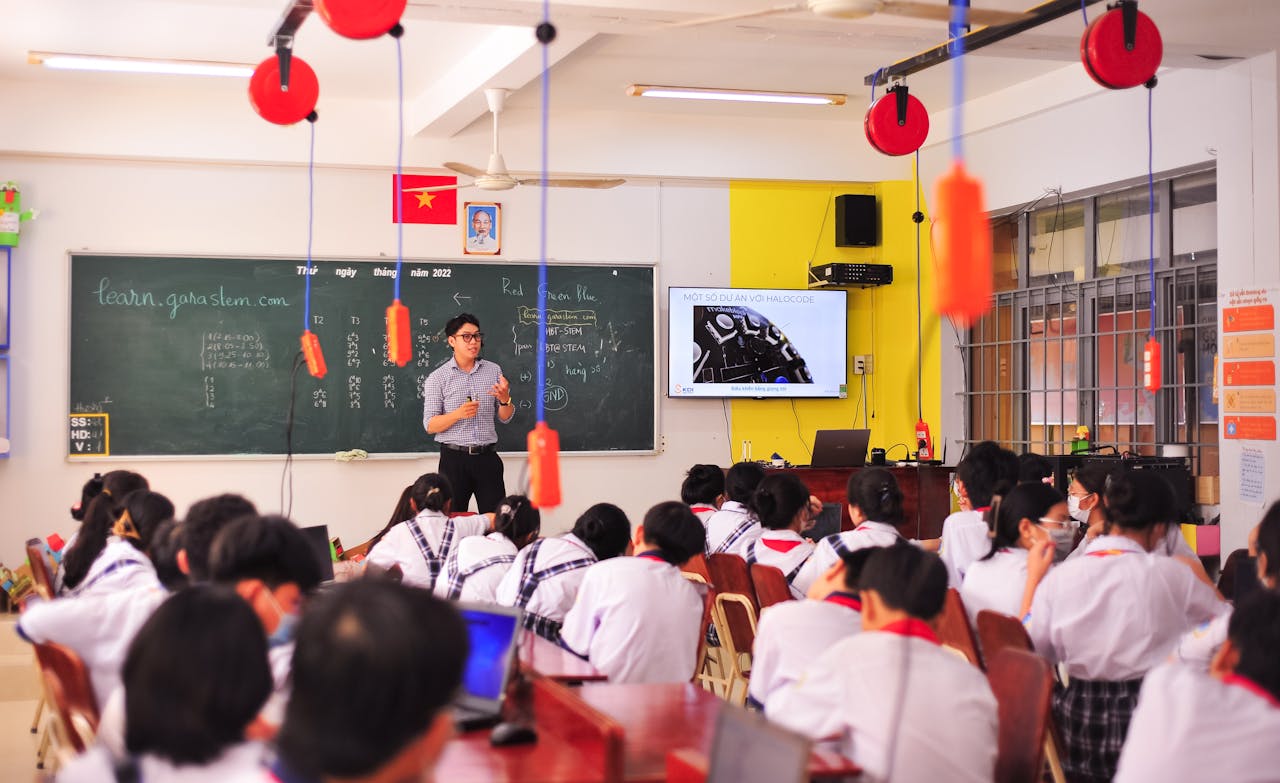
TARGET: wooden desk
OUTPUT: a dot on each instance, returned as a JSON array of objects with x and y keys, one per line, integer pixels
[
  {"x": 554, "y": 662},
  {"x": 661, "y": 718},
  {"x": 926, "y": 494}
]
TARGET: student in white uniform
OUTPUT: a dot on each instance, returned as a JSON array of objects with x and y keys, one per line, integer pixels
[
  {"x": 986, "y": 471},
  {"x": 269, "y": 563},
  {"x": 376, "y": 667},
  {"x": 899, "y": 705},
  {"x": 1110, "y": 616},
  {"x": 195, "y": 678},
  {"x": 703, "y": 491},
  {"x": 1085, "y": 499},
  {"x": 784, "y": 507},
  {"x": 545, "y": 576},
  {"x": 116, "y": 534},
  {"x": 1029, "y": 514},
  {"x": 478, "y": 564},
  {"x": 1221, "y": 725},
  {"x": 792, "y": 634},
  {"x": 114, "y": 484},
  {"x": 637, "y": 619},
  {"x": 1198, "y": 646},
  {"x": 420, "y": 546},
  {"x": 731, "y": 529},
  {"x": 875, "y": 508}
]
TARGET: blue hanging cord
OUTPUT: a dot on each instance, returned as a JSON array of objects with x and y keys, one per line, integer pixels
[
  {"x": 1151, "y": 208},
  {"x": 542, "y": 239},
  {"x": 311, "y": 217},
  {"x": 1084, "y": 11},
  {"x": 874, "y": 81},
  {"x": 959, "y": 21},
  {"x": 399, "y": 165}
]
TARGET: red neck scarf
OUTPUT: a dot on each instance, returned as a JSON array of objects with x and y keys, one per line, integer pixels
[{"x": 912, "y": 627}]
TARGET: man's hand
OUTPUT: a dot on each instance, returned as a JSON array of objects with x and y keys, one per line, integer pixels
[
  {"x": 467, "y": 410},
  {"x": 501, "y": 390}
]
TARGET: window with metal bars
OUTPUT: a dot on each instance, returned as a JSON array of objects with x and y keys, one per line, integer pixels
[{"x": 1062, "y": 345}]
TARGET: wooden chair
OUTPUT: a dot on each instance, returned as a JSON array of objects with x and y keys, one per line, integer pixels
[
  {"x": 954, "y": 630},
  {"x": 41, "y": 571},
  {"x": 557, "y": 708},
  {"x": 73, "y": 708},
  {"x": 734, "y": 614},
  {"x": 999, "y": 632},
  {"x": 1022, "y": 683},
  {"x": 697, "y": 565},
  {"x": 770, "y": 584}
]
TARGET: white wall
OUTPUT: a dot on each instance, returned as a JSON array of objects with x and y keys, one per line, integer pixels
[
  {"x": 1075, "y": 136},
  {"x": 172, "y": 207}
]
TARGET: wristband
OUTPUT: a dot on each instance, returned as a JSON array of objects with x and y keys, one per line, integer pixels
[{"x": 505, "y": 404}]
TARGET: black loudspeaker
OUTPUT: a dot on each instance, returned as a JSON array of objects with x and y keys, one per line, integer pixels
[{"x": 856, "y": 221}]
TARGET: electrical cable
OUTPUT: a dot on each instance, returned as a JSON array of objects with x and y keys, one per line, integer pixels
[
  {"x": 311, "y": 216},
  {"x": 399, "y": 165},
  {"x": 918, "y": 218},
  {"x": 1084, "y": 12},
  {"x": 728, "y": 432},
  {"x": 800, "y": 432},
  {"x": 286, "y": 474},
  {"x": 544, "y": 31},
  {"x": 1151, "y": 205}
]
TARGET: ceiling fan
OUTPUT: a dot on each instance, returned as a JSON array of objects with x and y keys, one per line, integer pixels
[
  {"x": 496, "y": 176},
  {"x": 857, "y": 9}
]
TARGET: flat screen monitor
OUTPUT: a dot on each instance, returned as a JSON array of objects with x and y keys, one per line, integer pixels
[{"x": 755, "y": 342}]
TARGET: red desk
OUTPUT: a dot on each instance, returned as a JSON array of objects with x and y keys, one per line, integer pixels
[
  {"x": 554, "y": 662},
  {"x": 660, "y": 718},
  {"x": 926, "y": 492}
]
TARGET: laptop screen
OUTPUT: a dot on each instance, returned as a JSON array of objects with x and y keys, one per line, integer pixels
[
  {"x": 747, "y": 748},
  {"x": 318, "y": 537},
  {"x": 493, "y": 634}
]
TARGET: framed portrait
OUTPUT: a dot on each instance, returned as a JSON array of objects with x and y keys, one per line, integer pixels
[{"x": 482, "y": 232}]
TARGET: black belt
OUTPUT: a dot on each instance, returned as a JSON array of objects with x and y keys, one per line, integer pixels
[{"x": 487, "y": 448}]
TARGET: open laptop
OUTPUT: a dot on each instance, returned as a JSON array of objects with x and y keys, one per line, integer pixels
[
  {"x": 840, "y": 448},
  {"x": 494, "y": 636},
  {"x": 318, "y": 538},
  {"x": 747, "y": 748}
]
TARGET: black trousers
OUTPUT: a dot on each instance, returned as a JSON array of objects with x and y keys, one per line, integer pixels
[{"x": 474, "y": 474}]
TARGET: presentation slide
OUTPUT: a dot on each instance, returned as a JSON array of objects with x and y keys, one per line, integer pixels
[{"x": 755, "y": 342}]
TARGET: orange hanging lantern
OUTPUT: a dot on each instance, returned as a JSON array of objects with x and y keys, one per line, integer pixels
[
  {"x": 399, "y": 339},
  {"x": 962, "y": 247},
  {"x": 1151, "y": 365},
  {"x": 544, "y": 466},
  {"x": 312, "y": 353}
]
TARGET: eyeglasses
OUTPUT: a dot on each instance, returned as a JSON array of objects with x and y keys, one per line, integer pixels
[
  {"x": 1056, "y": 524},
  {"x": 470, "y": 337}
]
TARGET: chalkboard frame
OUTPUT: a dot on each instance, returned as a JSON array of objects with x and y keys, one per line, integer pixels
[{"x": 655, "y": 433}]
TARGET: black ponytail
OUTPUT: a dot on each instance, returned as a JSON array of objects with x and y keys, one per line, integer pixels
[
  {"x": 517, "y": 519},
  {"x": 778, "y": 499},
  {"x": 432, "y": 492},
  {"x": 1025, "y": 501},
  {"x": 99, "y": 518},
  {"x": 604, "y": 528},
  {"x": 875, "y": 492}
]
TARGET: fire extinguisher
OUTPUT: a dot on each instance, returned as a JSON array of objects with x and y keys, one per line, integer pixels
[{"x": 924, "y": 441}]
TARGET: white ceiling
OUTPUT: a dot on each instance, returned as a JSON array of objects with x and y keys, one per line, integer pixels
[{"x": 454, "y": 48}]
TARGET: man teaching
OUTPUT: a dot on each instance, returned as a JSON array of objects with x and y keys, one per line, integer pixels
[{"x": 460, "y": 400}]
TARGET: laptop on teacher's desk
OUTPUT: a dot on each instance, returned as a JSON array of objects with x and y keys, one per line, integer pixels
[{"x": 840, "y": 448}]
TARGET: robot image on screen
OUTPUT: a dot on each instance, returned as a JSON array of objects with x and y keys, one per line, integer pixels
[{"x": 739, "y": 345}]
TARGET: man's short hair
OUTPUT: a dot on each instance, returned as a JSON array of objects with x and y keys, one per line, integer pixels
[
  {"x": 675, "y": 531},
  {"x": 270, "y": 549},
  {"x": 455, "y": 323},
  {"x": 205, "y": 519},
  {"x": 374, "y": 662},
  {"x": 907, "y": 578}
]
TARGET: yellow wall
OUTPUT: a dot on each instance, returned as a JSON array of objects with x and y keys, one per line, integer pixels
[{"x": 776, "y": 230}]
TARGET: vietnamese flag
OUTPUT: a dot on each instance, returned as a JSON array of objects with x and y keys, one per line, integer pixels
[{"x": 438, "y": 207}]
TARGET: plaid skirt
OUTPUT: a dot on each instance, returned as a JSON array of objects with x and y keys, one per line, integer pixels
[{"x": 1093, "y": 717}]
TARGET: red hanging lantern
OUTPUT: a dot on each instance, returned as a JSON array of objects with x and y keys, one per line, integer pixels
[
  {"x": 1122, "y": 48},
  {"x": 312, "y": 353},
  {"x": 544, "y": 466},
  {"x": 399, "y": 338},
  {"x": 962, "y": 248},
  {"x": 361, "y": 19},
  {"x": 1151, "y": 365},
  {"x": 897, "y": 123},
  {"x": 271, "y": 99}
]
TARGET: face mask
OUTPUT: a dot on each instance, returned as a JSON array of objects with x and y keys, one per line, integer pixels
[
  {"x": 1062, "y": 537},
  {"x": 1080, "y": 515},
  {"x": 283, "y": 634}
]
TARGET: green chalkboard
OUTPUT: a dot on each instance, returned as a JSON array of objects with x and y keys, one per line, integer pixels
[{"x": 194, "y": 355}]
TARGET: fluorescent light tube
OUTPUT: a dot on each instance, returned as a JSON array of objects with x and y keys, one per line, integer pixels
[
  {"x": 85, "y": 62},
  {"x": 746, "y": 96}
]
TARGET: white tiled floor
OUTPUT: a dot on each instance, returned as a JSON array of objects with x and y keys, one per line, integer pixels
[{"x": 19, "y": 692}]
